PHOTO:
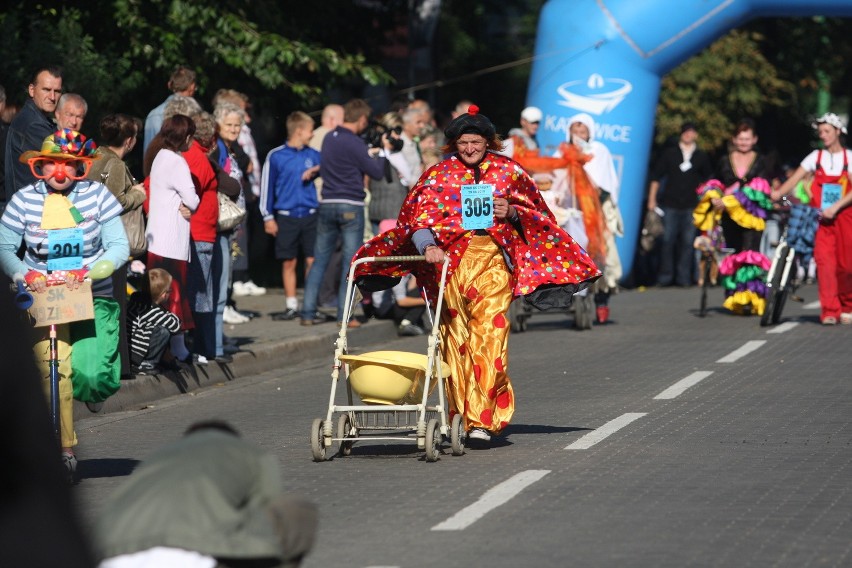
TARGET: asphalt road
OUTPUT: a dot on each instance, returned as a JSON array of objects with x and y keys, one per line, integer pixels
[{"x": 660, "y": 439}]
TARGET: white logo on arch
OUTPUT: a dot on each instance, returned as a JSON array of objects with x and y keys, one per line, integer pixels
[{"x": 595, "y": 95}]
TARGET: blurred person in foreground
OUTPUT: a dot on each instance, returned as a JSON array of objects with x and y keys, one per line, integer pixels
[
  {"x": 207, "y": 500},
  {"x": 483, "y": 212},
  {"x": 38, "y": 524}
]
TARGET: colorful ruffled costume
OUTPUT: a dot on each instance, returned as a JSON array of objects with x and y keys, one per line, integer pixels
[{"x": 743, "y": 273}]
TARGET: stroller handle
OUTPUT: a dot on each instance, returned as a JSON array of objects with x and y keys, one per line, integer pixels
[{"x": 405, "y": 258}]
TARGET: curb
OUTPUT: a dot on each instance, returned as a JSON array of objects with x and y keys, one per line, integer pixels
[{"x": 144, "y": 389}]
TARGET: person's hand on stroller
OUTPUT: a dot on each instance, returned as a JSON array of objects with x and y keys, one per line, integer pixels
[{"x": 434, "y": 254}]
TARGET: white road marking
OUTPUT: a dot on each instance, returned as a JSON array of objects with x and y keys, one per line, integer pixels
[
  {"x": 738, "y": 354},
  {"x": 786, "y": 326},
  {"x": 812, "y": 306},
  {"x": 683, "y": 384},
  {"x": 607, "y": 429},
  {"x": 491, "y": 499}
]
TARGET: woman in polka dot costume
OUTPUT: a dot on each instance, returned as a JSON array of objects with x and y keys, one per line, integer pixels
[{"x": 484, "y": 212}]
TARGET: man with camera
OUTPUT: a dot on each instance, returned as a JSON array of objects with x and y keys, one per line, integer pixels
[{"x": 345, "y": 161}]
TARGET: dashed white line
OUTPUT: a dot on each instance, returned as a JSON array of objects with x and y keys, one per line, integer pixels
[
  {"x": 784, "y": 327},
  {"x": 491, "y": 499},
  {"x": 683, "y": 384},
  {"x": 738, "y": 354},
  {"x": 607, "y": 429},
  {"x": 812, "y": 306}
]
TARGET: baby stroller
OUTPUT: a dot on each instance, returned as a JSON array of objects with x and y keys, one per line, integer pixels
[{"x": 394, "y": 387}]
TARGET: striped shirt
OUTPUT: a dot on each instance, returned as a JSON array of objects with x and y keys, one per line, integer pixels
[
  {"x": 142, "y": 318},
  {"x": 94, "y": 202}
]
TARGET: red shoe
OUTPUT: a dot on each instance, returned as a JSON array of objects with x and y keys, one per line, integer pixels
[{"x": 603, "y": 313}]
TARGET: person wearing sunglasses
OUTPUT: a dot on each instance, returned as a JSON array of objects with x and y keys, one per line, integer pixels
[{"x": 66, "y": 224}]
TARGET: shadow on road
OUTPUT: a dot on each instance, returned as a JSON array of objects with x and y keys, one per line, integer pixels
[{"x": 106, "y": 467}]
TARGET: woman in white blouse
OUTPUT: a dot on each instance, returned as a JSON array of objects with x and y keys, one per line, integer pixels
[{"x": 172, "y": 199}]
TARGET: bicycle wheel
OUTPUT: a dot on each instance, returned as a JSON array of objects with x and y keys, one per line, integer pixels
[
  {"x": 783, "y": 293},
  {"x": 774, "y": 285},
  {"x": 705, "y": 284}
]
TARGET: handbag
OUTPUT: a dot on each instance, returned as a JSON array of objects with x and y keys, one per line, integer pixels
[
  {"x": 230, "y": 214},
  {"x": 134, "y": 226}
]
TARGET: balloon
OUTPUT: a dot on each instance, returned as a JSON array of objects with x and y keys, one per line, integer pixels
[{"x": 101, "y": 269}]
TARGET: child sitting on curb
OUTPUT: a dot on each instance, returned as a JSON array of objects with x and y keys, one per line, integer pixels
[{"x": 150, "y": 325}]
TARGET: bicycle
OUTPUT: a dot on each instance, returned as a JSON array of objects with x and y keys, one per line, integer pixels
[
  {"x": 779, "y": 284},
  {"x": 711, "y": 247}
]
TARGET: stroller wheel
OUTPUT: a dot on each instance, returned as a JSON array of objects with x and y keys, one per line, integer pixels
[
  {"x": 457, "y": 435},
  {"x": 317, "y": 444},
  {"x": 344, "y": 425},
  {"x": 433, "y": 440}
]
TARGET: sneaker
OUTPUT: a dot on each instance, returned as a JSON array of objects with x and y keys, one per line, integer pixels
[
  {"x": 829, "y": 320},
  {"x": 69, "y": 462},
  {"x": 144, "y": 368},
  {"x": 410, "y": 330},
  {"x": 252, "y": 289},
  {"x": 232, "y": 316},
  {"x": 602, "y": 313},
  {"x": 238, "y": 289},
  {"x": 199, "y": 359},
  {"x": 287, "y": 315},
  {"x": 317, "y": 319},
  {"x": 479, "y": 434},
  {"x": 846, "y": 318}
]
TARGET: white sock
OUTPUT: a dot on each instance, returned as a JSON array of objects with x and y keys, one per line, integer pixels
[
  {"x": 291, "y": 303},
  {"x": 178, "y": 346},
  {"x": 404, "y": 323}
]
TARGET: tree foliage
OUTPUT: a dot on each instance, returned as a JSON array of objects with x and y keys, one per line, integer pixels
[
  {"x": 729, "y": 80},
  {"x": 119, "y": 54}
]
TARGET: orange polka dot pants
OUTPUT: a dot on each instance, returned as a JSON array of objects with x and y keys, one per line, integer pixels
[{"x": 475, "y": 332}]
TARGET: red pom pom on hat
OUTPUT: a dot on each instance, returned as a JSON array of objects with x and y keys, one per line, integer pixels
[{"x": 472, "y": 110}]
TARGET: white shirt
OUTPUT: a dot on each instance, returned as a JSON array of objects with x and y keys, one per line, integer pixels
[{"x": 832, "y": 164}]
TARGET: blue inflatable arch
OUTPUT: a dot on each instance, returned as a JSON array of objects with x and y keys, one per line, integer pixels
[{"x": 606, "y": 58}]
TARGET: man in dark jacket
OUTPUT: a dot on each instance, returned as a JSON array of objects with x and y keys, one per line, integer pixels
[
  {"x": 683, "y": 167},
  {"x": 31, "y": 126},
  {"x": 345, "y": 162}
]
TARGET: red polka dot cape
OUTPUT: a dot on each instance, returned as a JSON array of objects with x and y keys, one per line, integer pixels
[{"x": 548, "y": 267}]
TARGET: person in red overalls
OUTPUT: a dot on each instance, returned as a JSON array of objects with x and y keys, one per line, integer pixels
[{"x": 831, "y": 196}]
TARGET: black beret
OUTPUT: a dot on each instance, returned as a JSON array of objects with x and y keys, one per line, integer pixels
[{"x": 470, "y": 123}]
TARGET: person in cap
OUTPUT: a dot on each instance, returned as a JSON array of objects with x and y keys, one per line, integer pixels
[
  {"x": 482, "y": 211},
  {"x": 830, "y": 199},
  {"x": 530, "y": 121},
  {"x": 683, "y": 166},
  {"x": 67, "y": 224}
]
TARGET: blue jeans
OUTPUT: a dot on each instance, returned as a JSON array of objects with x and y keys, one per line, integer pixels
[
  {"x": 333, "y": 220},
  {"x": 676, "y": 254},
  {"x": 221, "y": 268}
]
